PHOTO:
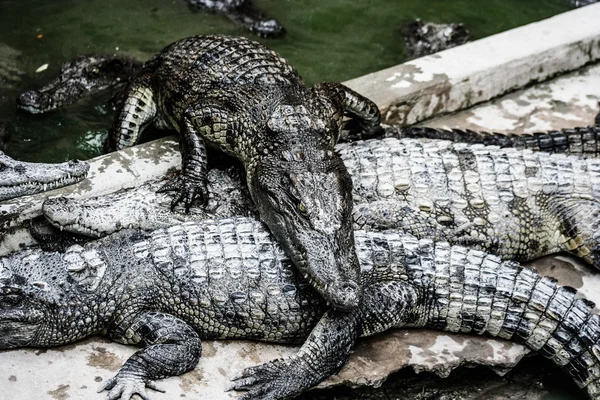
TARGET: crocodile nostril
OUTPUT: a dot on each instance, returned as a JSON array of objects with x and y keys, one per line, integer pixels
[{"x": 346, "y": 296}]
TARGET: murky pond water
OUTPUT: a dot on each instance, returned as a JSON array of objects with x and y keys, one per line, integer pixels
[{"x": 327, "y": 40}]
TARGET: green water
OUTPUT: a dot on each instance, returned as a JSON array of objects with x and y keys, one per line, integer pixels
[{"x": 327, "y": 40}]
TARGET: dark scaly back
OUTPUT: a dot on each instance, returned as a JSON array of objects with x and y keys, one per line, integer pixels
[
  {"x": 223, "y": 60},
  {"x": 580, "y": 140}
]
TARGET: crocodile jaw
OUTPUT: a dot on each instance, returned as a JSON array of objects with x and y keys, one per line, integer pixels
[{"x": 21, "y": 178}]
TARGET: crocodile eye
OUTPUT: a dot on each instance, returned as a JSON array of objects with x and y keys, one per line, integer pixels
[{"x": 302, "y": 208}]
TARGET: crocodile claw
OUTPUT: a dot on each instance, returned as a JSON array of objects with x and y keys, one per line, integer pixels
[
  {"x": 269, "y": 381},
  {"x": 124, "y": 387},
  {"x": 187, "y": 189}
]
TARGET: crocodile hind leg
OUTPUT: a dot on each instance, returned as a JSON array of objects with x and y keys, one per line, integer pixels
[
  {"x": 170, "y": 347},
  {"x": 578, "y": 227},
  {"x": 366, "y": 121},
  {"x": 135, "y": 113}
]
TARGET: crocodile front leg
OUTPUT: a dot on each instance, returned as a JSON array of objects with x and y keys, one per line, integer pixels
[
  {"x": 367, "y": 121},
  {"x": 137, "y": 111},
  {"x": 171, "y": 347},
  {"x": 329, "y": 345},
  {"x": 323, "y": 354},
  {"x": 192, "y": 181}
]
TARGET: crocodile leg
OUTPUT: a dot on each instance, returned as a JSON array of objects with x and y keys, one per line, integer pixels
[
  {"x": 171, "y": 347},
  {"x": 137, "y": 111},
  {"x": 382, "y": 215},
  {"x": 192, "y": 179},
  {"x": 579, "y": 227},
  {"x": 367, "y": 119},
  {"x": 328, "y": 346}
]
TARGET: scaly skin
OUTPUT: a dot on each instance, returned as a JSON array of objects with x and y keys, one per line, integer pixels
[
  {"x": 243, "y": 12},
  {"x": 582, "y": 141},
  {"x": 77, "y": 78},
  {"x": 424, "y": 38},
  {"x": 18, "y": 178},
  {"x": 514, "y": 203},
  {"x": 228, "y": 279},
  {"x": 244, "y": 99}
]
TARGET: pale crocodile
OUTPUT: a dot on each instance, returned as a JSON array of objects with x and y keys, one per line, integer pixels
[
  {"x": 19, "y": 178},
  {"x": 227, "y": 279},
  {"x": 515, "y": 203}
]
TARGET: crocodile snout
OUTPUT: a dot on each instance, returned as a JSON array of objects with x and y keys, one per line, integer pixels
[{"x": 29, "y": 98}]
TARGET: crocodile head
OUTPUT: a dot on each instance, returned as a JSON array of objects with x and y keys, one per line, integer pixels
[
  {"x": 422, "y": 38},
  {"x": 306, "y": 201},
  {"x": 21, "y": 311},
  {"x": 267, "y": 28},
  {"x": 78, "y": 77},
  {"x": 19, "y": 178}
]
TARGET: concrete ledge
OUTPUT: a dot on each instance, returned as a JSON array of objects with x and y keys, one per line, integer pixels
[{"x": 478, "y": 71}]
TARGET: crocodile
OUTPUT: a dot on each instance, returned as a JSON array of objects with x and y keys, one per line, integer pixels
[
  {"x": 423, "y": 38},
  {"x": 84, "y": 75},
  {"x": 19, "y": 178},
  {"x": 581, "y": 3},
  {"x": 244, "y": 99},
  {"x": 518, "y": 204},
  {"x": 582, "y": 141},
  {"x": 228, "y": 279},
  {"x": 243, "y": 13}
]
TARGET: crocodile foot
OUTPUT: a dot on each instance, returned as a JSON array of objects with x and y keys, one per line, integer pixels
[
  {"x": 277, "y": 379},
  {"x": 188, "y": 189},
  {"x": 123, "y": 386}
]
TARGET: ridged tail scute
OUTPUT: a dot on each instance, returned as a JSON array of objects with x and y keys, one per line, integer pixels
[
  {"x": 581, "y": 140},
  {"x": 476, "y": 292}
]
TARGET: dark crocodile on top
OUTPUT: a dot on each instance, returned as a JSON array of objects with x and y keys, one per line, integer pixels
[
  {"x": 240, "y": 97},
  {"x": 242, "y": 12},
  {"x": 423, "y": 38},
  {"x": 19, "y": 178},
  {"x": 82, "y": 76},
  {"x": 228, "y": 279},
  {"x": 515, "y": 203}
]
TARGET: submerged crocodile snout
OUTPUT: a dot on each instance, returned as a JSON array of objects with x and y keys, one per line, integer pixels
[{"x": 30, "y": 98}]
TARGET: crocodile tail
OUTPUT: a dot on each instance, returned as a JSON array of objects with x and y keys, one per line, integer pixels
[
  {"x": 476, "y": 292},
  {"x": 583, "y": 140}
]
